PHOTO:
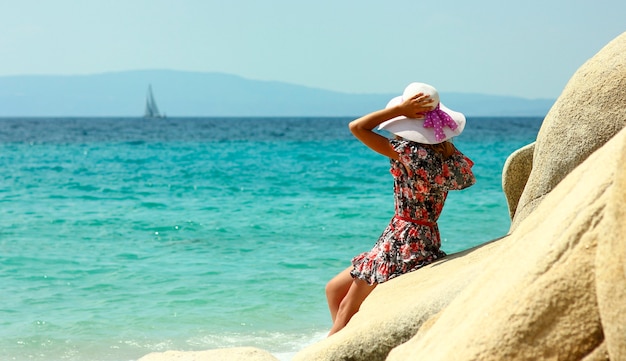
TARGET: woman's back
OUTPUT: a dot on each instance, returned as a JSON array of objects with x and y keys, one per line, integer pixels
[{"x": 423, "y": 177}]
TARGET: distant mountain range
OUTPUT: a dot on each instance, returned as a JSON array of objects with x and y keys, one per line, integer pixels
[{"x": 188, "y": 94}]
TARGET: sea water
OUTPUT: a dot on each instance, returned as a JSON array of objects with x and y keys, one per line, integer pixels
[{"x": 125, "y": 236}]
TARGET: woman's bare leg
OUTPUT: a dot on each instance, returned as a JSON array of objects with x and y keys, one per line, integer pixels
[
  {"x": 336, "y": 289},
  {"x": 358, "y": 292}
]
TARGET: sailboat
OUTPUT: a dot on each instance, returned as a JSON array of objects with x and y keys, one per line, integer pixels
[{"x": 152, "y": 111}]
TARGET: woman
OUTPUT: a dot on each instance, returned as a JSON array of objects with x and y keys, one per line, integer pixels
[{"x": 424, "y": 166}]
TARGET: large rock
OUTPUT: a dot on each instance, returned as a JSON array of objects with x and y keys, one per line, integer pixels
[
  {"x": 590, "y": 110},
  {"x": 610, "y": 266},
  {"x": 226, "y": 354},
  {"x": 515, "y": 174}
]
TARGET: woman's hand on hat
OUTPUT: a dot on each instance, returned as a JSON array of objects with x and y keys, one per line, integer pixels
[{"x": 416, "y": 106}]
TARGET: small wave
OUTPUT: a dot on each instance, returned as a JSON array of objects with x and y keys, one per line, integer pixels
[
  {"x": 128, "y": 256},
  {"x": 296, "y": 265},
  {"x": 153, "y": 205},
  {"x": 282, "y": 345}
]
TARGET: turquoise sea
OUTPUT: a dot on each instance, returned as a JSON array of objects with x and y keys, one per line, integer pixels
[{"x": 124, "y": 236}]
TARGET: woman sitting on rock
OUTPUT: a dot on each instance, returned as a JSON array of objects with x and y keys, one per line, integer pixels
[{"x": 425, "y": 165}]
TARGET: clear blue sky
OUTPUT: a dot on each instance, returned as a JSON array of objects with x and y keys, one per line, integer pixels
[{"x": 522, "y": 48}]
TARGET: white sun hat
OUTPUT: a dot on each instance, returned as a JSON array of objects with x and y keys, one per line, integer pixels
[{"x": 437, "y": 126}]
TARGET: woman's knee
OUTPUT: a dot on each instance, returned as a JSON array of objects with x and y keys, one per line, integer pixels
[
  {"x": 330, "y": 288},
  {"x": 333, "y": 287},
  {"x": 339, "y": 285}
]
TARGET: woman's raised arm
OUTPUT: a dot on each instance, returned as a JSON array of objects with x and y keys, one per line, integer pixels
[{"x": 363, "y": 127}]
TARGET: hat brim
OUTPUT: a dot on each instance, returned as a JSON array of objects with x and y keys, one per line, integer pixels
[{"x": 413, "y": 129}]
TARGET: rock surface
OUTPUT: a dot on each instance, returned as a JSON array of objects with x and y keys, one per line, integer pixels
[
  {"x": 515, "y": 174},
  {"x": 610, "y": 266},
  {"x": 227, "y": 354},
  {"x": 590, "y": 110}
]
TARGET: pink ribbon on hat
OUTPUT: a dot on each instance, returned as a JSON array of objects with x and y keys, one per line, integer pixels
[{"x": 437, "y": 119}]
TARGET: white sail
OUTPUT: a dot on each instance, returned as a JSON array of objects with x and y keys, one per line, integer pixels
[{"x": 152, "y": 111}]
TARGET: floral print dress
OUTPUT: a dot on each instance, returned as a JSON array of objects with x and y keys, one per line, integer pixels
[{"x": 422, "y": 179}]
